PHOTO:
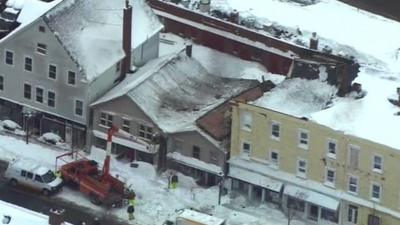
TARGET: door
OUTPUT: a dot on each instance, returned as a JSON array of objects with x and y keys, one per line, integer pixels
[
  {"x": 313, "y": 212},
  {"x": 68, "y": 134}
]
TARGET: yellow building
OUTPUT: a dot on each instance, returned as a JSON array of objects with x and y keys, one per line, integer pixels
[{"x": 313, "y": 171}]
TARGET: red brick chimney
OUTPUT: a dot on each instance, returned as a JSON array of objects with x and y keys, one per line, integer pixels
[
  {"x": 126, "y": 39},
  {"x": 56, "y": 216}
]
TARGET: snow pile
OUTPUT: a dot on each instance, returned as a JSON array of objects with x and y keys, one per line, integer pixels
[
  {"x": 51, "y": 138},
  {"x": 298, "y": 97},
  {"x": 10, "y": 125}
]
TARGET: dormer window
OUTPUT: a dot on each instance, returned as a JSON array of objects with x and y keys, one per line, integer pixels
[
  {"x": 42, "y": 29},
  {"x": 41, "y": 48}
]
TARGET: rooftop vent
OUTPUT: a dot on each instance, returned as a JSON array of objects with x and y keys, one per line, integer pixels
[
  {"x": 356, "y": 88},
  {"x": 396, "y": 101}
]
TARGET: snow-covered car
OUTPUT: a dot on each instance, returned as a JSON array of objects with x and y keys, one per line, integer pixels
[
  {"x": 31, "y": 174},
  {"x": 51, "y": 138},
  {"x": 11, "y": 127}
]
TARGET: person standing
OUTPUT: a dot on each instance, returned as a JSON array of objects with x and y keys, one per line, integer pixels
[{"x": 131, "y": 210}]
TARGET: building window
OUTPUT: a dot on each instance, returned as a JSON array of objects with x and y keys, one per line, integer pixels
[
  {"x": 51, "y": 99},
  {"x": 126, "y": 124},
  {"x": 354, "y": 152},
  {"x": 9, "y": 59},
  {"x": 301, "y": 168},
  {"x": 275, "y": 130},
  {"x": 377, "y": 164},
  {"x": 246, "y": 148},
  {"x": 1, "y": 83},
  {"x": 329, "y": 215},
  {"x": 196, "y": 152},
  {"x": 214, "y": 157},
  {"x": 376, "y": 192},
  {"x": 303, "y": 139},
  {"x": 52, "y": 71},
  {"x": 71, "y": 78},
  {"x": 41, "y": 48},
  {"x": 331, "y": 147},
  {"x": 353, "y": 184},
  {"x": 106, "y": 119},
  {"x": 373, "y": 220},
  {"x": 28, "y": 64},
  {"x": 352, "y": 214},
  {"x": 274, "y": 158},
  {"x": 296, "y": 204},
  {"x": 246, "y": 121},
  {"x": 330, "y": 176},
  {"x": 39, "y": 94},
  {"x": 42, "y": 29},
  {"x": 145, "y": 132},
  {"x": 27, "y": 91},
  {"x": 78, "y": 107}
]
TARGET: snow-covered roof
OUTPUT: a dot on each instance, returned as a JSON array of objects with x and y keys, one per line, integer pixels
[
  {"x": 175, "y": 90},
  {"x": 30, "y": 11},
  {"x": 298, "y": 97},
  {"x": 21, "y": 215},
  {"x": 196, "y": 163},
  {"x": 91, "y": 31}
]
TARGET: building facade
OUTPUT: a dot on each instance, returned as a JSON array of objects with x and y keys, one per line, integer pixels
[{"x": 312, "y": 171}]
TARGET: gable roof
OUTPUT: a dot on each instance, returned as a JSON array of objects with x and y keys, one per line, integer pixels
[
  {"x": 91, "y": 31},
  {"x": 176, "y": 90}
]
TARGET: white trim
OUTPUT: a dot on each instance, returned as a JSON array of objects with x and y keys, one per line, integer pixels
[
  {"x": 298, "y": 173},
  {"x": 379, "y": 171},
  {"x": 23, "y": 91},
  {"x": 13, "y": 57},
  {"x": 273, "y": 122},
  {"x": 83, "y": 106},
  {"x": 371, "y": 191},
  {"x": 329, "y": 154},
  {"x": 28, "y": 56},
  {"x": 55, "y": 99},
  {"x": 48, "y": 71},
  {"x": 244, "y": 116},
  {"x": 67, "y": 81},
  {"x": 275, "y": 165},
  {"x": 328, "y": 183},
  {"x": 242, "y": 153},
  {"x": 43, "y": 94},
  {"x": 299, "y": 144},
  {"x": 348, "y": 184}
]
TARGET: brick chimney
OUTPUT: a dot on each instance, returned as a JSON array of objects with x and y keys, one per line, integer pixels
[
  {"x": 314, "y": 41},
  {"x": 205, "y": 6},
  {"x": 188, "y": 49},
  {"x": 56, "y": 216},
  {"x": 126, "y": 39}
]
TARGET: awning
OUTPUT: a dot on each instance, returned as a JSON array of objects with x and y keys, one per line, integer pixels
[
  {"x": 311, "y": 196},
  {"x": 126, "y": 142},
  {"x": 195, "y": 163},
  {"x": 255, "y": 178}
]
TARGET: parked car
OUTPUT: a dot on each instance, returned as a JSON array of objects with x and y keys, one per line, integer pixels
[{"x": 30, "y": 174}]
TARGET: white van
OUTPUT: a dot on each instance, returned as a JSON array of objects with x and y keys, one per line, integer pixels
[{"x": 30, "y": 174}]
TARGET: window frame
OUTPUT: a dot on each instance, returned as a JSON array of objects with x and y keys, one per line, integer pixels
[
  {"x": 107, "y": 120},
  {"x": 328, "y": 149},
  {"x": 6, "y": 57},
  {"x": 242, "y": 152},
  {"x": 30, "y": 91},
  {"x": 196, "y": 152},
  {"x": 375, "y": 184},
  {"x": 305, "y": 168},
  {"x": 2, "y": 83},
  {"x": 42, "y": 95},
  {"x": 126, "y": 127},
  {"x": 377, "y": 170},
  {"x": 75, "y": 107},
  {"x": 246, "y": 121},
  {"x": 349, "y": 185},
  {"x": 41, "y": 48},
  {"x": 42, "y": 29},
  {"x": 49, "y": 99},
  {"x": 353, "y": 213},
  {"x": 273, "y": 161},
  {"x": 328, "y": 182},
  {"x": 49, "y": 72},
  {"x": 300, "y": 139},
  {"x": 26, "y": 64},
  {"x": 145, "y": 133},
  {"x": 275, "y": 123},
  {"x": 68, "y": 76}
]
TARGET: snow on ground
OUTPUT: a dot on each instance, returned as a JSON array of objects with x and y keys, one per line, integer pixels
[{"x": 155, "y": 202}]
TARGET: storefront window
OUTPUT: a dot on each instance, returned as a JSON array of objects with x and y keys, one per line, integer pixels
[
  {"x": 329, "y": 215},
  {"x": 296, "y": 204}
]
